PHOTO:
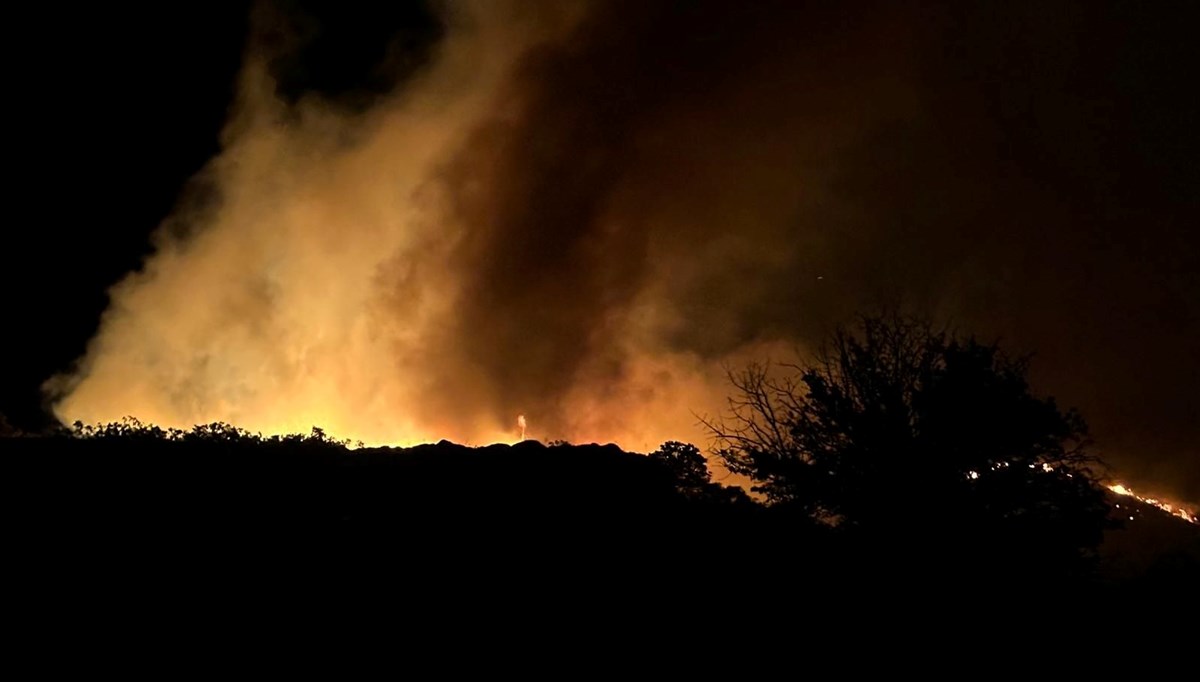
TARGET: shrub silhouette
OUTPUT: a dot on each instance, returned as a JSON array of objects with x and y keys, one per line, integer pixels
[
  {"x": 897, "y": 430},
  {"x": 688, "y": 470},
  {"x": 684, "y": 461}
]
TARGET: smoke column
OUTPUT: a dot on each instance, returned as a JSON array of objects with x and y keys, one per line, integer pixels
[
  {"x": 406, "y": 273},
  {"x": 583, "y": 211}
]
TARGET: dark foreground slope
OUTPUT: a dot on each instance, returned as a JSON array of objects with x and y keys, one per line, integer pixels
[
  {"x": 258, "y": 489},
  {"x": 437, "y": 514},
  {"x": 566, "y": 525}
]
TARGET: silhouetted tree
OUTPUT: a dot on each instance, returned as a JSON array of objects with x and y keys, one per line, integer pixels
[
  {"x": 688, "y": 470},
  {"x": 896, "y": 429},
  {"x": 684, "y": 461}
]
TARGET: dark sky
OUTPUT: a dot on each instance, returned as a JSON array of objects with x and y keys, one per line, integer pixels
[
  {"x": 111, "y": 111},
  {"x": 1028, "y": 170}
]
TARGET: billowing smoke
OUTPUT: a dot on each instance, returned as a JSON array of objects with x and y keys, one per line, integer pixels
[
  {"x": 579, "y": 212},
  {"x": 475, "y": 243}
]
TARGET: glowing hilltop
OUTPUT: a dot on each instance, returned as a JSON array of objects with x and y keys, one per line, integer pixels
[{"x": 1172, "y": 509}]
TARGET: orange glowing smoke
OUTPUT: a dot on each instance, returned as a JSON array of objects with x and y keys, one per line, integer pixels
[
  {"x": 327, "y": 282},
  {"x": 375, "y": 273}
]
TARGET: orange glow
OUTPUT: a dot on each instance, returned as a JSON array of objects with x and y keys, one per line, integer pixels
[
  {"x": 362, "y": 272},
  {"x": 1172, "y": 509},
  {"x": 327, "y": 286}
]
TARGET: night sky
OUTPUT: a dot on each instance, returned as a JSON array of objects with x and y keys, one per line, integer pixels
[{"x": 1027, "y": 171}]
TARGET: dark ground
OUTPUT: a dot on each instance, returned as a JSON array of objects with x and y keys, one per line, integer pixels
[{"x": 567, "y": 526}]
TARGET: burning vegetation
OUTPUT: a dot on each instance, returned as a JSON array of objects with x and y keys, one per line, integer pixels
[{"x": 1175, "y": 510}]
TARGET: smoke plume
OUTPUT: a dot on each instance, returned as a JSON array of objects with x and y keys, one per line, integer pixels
[{"x": 579, "y": 212}]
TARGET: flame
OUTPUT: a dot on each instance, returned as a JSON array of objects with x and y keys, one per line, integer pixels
[{"x": 1170, "y": 508}]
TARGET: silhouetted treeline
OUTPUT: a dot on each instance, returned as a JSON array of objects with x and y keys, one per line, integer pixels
[{"x": 584, "y": 522}]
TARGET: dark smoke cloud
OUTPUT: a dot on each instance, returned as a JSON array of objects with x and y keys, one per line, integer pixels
[
  {"x": 641, "y": 191},
  {"x": 654, "y": 146}
]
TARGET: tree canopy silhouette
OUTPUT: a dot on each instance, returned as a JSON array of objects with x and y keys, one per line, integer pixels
[{"x": 895, "y": 428}]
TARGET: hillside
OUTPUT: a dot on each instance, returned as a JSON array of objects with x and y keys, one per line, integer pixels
[{"x": 539, "y": 515}]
